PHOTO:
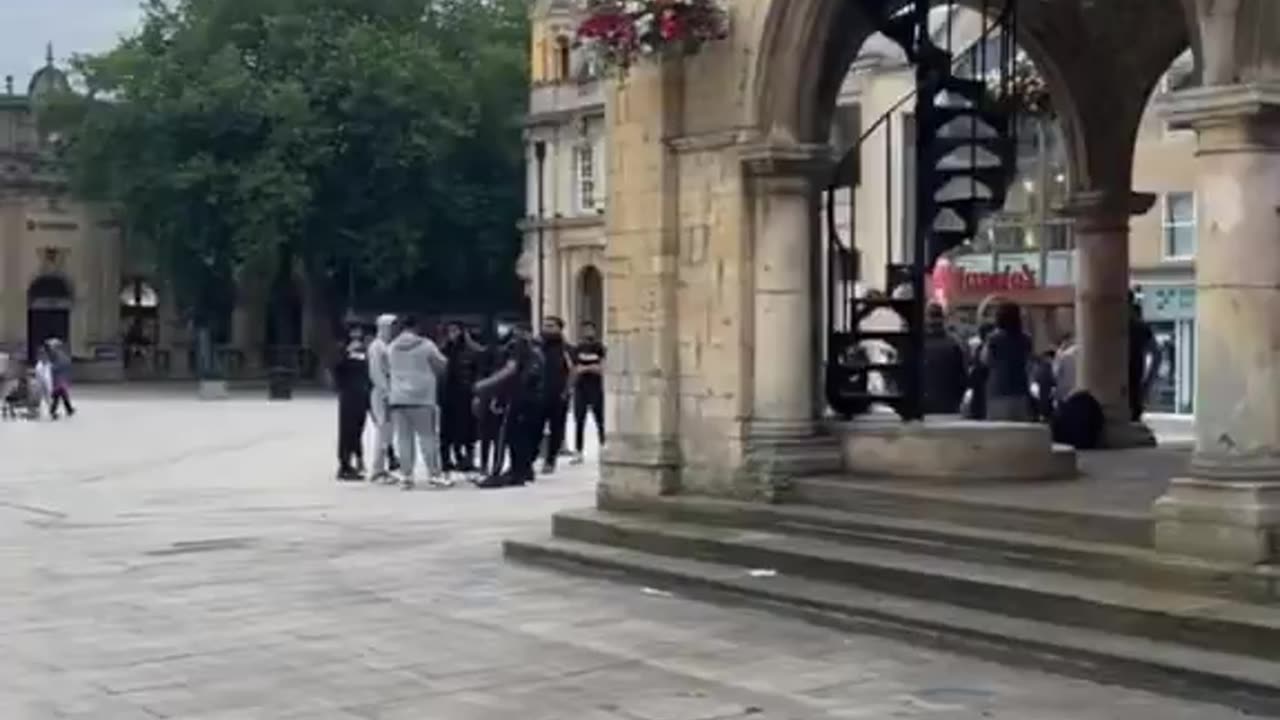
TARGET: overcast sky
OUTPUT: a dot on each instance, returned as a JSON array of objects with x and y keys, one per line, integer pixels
[{"x": 73, "y": 26}]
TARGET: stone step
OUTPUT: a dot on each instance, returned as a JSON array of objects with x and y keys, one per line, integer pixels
[
  {"x": 1125, "y": 563},
  {"x": 896, "y": 500},
  {"x": 1250, "y": 684},
  {"x": 1216, "y": 624}
]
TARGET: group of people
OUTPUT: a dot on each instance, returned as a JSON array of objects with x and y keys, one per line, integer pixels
[
  {"x": 480, "y": 408},
  {"x": 1003, "y": 378},
  {"x": 29, "y": 389}
]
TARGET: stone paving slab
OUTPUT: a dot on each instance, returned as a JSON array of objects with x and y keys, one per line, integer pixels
[{"x": 166, "y": 558}]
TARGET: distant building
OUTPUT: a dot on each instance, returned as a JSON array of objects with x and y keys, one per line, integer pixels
[
  {"x": 565, "y": 126},
  {"x": 66, "y": 272},
  {"x": 60, "y": 259}
]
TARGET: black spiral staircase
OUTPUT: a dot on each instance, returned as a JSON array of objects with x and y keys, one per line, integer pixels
[{"x": 965, "y": 161}]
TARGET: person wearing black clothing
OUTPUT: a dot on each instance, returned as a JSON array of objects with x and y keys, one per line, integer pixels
[
  {"x": 351, "y": 376},
  {"x": 518, "y": 385},
  {"x": 1007, "y": 356},
  {"x": 489, "y": 412},
  {"x": 1143, "y": 360},
  {"x": 458, "y": 426},
  {"x": 557, "y": 373},
  {"x": 1046, "y": 387},
  {"x": 978, "y": 372},
  {"x": 588, "y": 388},
  {"x": 945, "y": 374}
]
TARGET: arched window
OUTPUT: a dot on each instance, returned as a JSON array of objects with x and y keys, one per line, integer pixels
[
  {"x": 591, "y": 296},
  {"x": 564, "y": 58}
]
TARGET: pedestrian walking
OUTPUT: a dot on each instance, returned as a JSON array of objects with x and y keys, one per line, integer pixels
[
  {"x": 416, "y": 365},
  {"x": 351, "y": 376},
  {"x": 384, "y": 454},
  {"x": 588, "y": 357},
  {"x": 59, "y": 378}
]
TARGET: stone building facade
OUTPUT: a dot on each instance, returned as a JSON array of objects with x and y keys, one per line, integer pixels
[
  {"x": 66, "y": 272},
  {"x": 60, "y": 259},
  {"x": 564, "y": 230},
  {"x": 712, "y": 230}
]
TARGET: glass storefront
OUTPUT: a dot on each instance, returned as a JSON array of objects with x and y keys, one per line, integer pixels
[{"x": 1171, "y": 311}]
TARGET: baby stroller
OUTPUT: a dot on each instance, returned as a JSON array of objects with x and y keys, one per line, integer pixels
[{"x": 21, "y": 398}]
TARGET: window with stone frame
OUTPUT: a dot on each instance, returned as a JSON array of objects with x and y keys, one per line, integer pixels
[
  {"x": 588, "y": 195},
  {"x": 1179, "y": 225}
]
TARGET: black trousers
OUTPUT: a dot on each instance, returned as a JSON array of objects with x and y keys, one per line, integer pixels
[
  {"x": 457, "y": 431},
  {"x": 555, "y": 413},
  {"x": 493, "y": 451},
  {"x": 587, "y": 400},
  {"x": 60, "y": 395},
  {"x": 351, "y": 417},
  {"x": 523, "y": 433}
]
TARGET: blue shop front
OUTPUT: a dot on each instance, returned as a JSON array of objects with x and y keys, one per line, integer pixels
[{"x": 1171, "y": 311}]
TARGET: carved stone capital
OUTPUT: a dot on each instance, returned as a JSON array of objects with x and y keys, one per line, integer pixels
[
  {"x": 799, "y": 161},
  {"x": 1100, "y": 211},
  {"x": 1228, "y": 117}
]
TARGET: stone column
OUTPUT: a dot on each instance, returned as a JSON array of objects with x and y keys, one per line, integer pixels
[
  {"x": 643, "y": 458},
  {"x": 1102, "y": 307},
  {"x": 783, "y": 182},
  {"x": 1229, "y": 507}
]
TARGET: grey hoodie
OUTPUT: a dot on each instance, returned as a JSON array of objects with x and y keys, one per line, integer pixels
[
  {"x": 414, "y": 362},
  {"x": 379, "y": 370}
]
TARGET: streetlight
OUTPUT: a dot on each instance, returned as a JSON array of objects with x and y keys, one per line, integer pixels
[{"x": 540, "y": 154}]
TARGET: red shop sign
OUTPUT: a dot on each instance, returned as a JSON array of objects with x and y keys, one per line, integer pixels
[{"x": 963, "y": 280}]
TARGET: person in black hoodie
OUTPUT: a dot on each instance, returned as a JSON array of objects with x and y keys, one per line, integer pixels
[
  {"x": 945, "y": 374},
  {"x": 458, "y": 428},
  {"x": 351, "y": 376},
  {"x": 557, "y": 368}
]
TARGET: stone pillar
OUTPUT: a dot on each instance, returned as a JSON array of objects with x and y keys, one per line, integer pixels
[
  {"x": 643, "y": 458},
  {"x": 1102, "y": 307},
  {"x": 1229, "y": 507},
  {"x": 782, "y": 434}
]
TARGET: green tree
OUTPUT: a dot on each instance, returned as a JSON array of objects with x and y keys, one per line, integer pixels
[{"x": 372, "y": 142}]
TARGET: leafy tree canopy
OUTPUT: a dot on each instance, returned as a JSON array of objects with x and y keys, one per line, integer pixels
[{"x": 373, "y": 141}]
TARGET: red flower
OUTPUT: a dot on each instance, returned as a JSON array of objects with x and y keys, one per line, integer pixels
[{"x": 670, "y": 26}]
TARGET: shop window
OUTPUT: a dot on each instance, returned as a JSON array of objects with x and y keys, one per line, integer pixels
[{"x": 1179, "y": 224}]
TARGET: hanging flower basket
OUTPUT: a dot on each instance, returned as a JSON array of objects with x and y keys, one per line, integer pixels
[
  {"x": 620, "y": 32},
  {"x": 1025, "y": 89}
]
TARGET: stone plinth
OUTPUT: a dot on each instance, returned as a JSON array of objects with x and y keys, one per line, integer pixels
[
  {"x": 1226, "y": 521},
  {"x": 953, "y": 449}
]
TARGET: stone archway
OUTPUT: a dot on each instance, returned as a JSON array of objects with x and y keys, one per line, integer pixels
[
  {"x": 49, "y": 304},
  {"x": 716, "y": 163}
]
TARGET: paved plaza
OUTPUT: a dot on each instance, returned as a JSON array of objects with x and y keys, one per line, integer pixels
[{"x": 166, "y": 558}]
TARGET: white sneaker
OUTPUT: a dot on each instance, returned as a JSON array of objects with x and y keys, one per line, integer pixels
[
  {"x": 578, "y": 459},
  {"x": 407, "y": 483},
  {"x": 440, "y": 481}
]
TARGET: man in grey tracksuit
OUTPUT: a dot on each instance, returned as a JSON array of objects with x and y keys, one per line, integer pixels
[
  {"x": 415, "y": 365},
  {"x": 380, "y": 399}
]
